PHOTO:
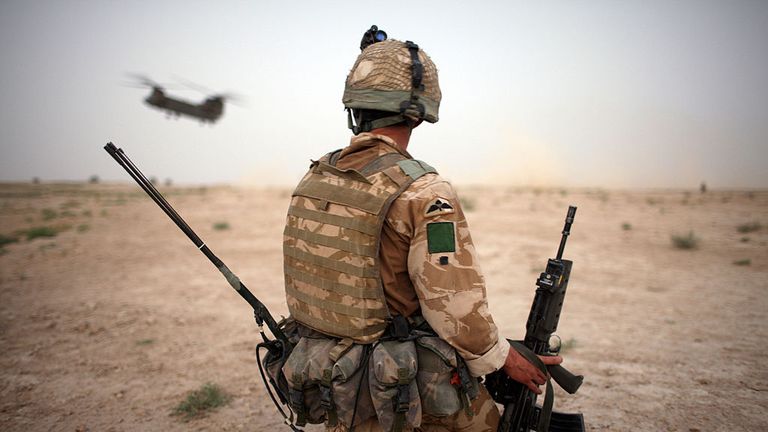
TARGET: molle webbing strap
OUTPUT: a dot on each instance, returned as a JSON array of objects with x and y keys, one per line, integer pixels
[
  {"x": 415, "y": 168},
  {"x": 334, "y": 242},
  {"x": 338, "y": 194},
  {"x": 296, "y": 399},
  {"x": 328, "y": 285},
  {"x": 364, "y": 272},
  {"x": 356, "y": 224},
  {"x": 336, "y": 307},
  {"x": 337, "y": 329},
  {"x": 326, "y": 398},
  {"x": 333, "y": 283},
  {"x": 348, "y": 174},
  {"x": 381, "y": 163}
]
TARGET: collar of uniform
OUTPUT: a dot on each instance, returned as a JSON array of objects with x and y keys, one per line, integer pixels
[{"x": 367, "y": 139}]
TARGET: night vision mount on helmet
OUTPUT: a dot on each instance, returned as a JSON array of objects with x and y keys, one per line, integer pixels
[{"x": 390, "y": 76}]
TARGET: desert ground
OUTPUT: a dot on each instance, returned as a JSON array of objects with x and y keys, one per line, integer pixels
[{"x": 110, "y": 316}]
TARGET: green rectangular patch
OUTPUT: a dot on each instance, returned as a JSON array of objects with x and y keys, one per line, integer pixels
[{"x": 441, "y": 237}]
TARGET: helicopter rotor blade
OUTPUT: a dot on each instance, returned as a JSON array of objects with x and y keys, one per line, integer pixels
[
  {"x": 231, "y": 97},
  {"x": 141, "y": 80},
  {"x": 194, "y": 86}
]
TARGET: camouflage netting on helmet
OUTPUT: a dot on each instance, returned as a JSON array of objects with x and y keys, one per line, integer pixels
[{"x": 381, "y": 79}]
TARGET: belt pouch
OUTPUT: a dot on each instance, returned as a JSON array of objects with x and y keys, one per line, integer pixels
[{"x": 392, "y": 376}]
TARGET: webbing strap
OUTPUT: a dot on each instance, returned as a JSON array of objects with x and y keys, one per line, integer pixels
[
  {"x": 415, "y": 168},
  {"x": 333, "y": 157},
  {"x": 381, "y": 163},
  {"x": 549, "y": 398},
  {"x": 338, "y": 194},
  {"x": 335, "y": 329},
  {"x": 326, "y": 398},
  {"x": 365, "y": 272},
  {"x": 333, "y": 242},
  {"x": 356, "y": 224},
  {"x": 333, "y": 286},
  {"x": 338, "y": 308},
  {"x": 349, "y": 174}
]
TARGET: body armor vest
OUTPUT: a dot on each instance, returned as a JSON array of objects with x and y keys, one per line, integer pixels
[{"x": 331, "y": 244}]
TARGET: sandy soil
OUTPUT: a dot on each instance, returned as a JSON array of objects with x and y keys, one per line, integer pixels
[{"x": 108, "y": 325}]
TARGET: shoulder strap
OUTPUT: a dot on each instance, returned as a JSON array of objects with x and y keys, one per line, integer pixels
[
  {"x": 381, "y": 163},
  {"x": 415, "y": 168}
]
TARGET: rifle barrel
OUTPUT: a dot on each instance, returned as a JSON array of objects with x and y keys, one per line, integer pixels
[{"x": 566, "y": 231}]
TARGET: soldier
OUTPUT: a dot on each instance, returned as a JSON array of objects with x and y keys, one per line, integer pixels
[{"x": 381, "y": 273}]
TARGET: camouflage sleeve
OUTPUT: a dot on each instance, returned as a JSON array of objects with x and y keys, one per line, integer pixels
[{"x": 443, "y": 267}]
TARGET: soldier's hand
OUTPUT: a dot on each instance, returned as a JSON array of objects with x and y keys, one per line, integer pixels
[{"x": 522, "y": 371}]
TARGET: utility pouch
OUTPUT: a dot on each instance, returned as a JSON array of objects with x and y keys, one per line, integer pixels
[
  {"x": 437, "y": 379},
  {"x": 304, "y": 373},
  {"x": 392, "y": 376},
  {"x": 351, "y": 393},
  {"x": 277, "y": 355}
]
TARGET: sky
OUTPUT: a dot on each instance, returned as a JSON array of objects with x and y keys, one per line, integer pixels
[{"x": 608, "y": 94}]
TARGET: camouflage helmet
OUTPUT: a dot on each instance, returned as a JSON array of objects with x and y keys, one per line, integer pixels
[{"x": 393, "y": 76}]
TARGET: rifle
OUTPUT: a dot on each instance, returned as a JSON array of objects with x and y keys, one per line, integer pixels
[
  {"x": 521, "y": 414},
  {"x": 277, "y": 349}
]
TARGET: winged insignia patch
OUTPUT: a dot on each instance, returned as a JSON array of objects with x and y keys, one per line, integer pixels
[{"x": 438, "y": 206}]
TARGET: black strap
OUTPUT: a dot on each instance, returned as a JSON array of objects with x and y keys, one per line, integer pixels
[
  {"x": 549, "y": 397},
  {"x": 417, "y": 69},
  {"x": 401, "y": 402}
]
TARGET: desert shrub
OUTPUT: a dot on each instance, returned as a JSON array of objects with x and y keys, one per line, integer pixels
[
  {"x": 201, "y": 401},
  {"x": 143, "y": 342},
  {"x": 93, "y": 179},
  {"x": 689, "y": 241},
  {"x": 749, "y": 227},
  {"x": 744, "y": 239},
  {"x": 41, "y": 231},
  {"x": 83, "y": 228},
  {"x": 8, "y": 239},
  {"x": 626, "y": 226},
  {"x": 221, "y": 226},
  {"x": 49, "y": 214},
  {"x": 743, "y": 262}
]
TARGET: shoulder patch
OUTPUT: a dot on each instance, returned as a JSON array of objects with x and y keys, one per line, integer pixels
[
  {"x": 438, "y": 206},
  {"x": 441, "y": 237}
]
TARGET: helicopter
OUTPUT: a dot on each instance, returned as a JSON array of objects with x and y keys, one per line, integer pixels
[{"x": 208, "y": 111}]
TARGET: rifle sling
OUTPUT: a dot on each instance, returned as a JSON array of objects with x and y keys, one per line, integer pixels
[{"x": 549, "y": 396}]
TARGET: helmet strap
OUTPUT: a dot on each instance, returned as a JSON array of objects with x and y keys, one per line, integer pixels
[
  {"x": 358, "y": 125},
  {"x": 412, "y": 106}
]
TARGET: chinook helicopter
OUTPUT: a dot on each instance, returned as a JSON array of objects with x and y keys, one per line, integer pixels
[{"x": 208, "y": 111}]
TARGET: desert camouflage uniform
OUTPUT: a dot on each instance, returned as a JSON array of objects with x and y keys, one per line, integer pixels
[{"x": 446, "y": 288}]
